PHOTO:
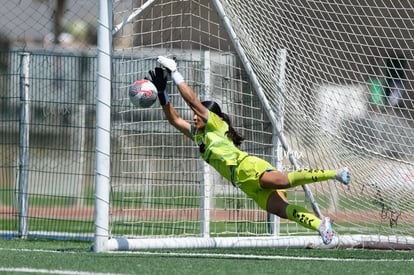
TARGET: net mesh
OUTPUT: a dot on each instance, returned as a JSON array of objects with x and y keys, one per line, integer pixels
[{"x": 346, "y": 101}]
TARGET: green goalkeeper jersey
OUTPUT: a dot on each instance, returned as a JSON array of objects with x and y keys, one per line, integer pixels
[{"x": 215, "y": 147}]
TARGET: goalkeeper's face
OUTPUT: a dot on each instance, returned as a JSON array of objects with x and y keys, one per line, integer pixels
[{"x": 198, "y": 123}]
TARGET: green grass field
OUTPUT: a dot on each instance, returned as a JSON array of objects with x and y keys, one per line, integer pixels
[{"x": 65, "y": 257}]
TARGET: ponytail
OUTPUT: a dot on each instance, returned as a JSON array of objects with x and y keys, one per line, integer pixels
[{"x": 231, "y": 133}]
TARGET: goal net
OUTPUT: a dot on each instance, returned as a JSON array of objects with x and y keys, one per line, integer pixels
[{"x": 309, "y": 84}]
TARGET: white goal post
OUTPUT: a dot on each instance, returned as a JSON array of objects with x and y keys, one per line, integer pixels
[{"x": 309, "y": 85}]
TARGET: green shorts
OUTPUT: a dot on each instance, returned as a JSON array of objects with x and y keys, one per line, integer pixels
[{"x": 247, "y": 175}]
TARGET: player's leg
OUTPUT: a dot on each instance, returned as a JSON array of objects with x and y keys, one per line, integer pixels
[
  {"x": 305, "y": 176},
  {"x": 277, "y": 204},
  {"x": 277, "y": 180}
]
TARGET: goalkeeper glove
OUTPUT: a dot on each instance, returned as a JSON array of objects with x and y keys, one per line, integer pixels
[
  {"x": 171, "y": 67},
  {"x": 159, "y": 79},
  {"x": 168, "y": 63}
]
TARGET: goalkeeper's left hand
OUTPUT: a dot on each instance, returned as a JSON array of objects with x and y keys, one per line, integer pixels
[
  {"x": 171, "y": 67},
  {"x": 168, "y": 63},
  {"x": 159, "y": 79}
]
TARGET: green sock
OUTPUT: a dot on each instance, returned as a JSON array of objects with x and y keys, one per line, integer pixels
[
  {"x": 301, "y": 177},
  {"x": 302, "y": 216}
]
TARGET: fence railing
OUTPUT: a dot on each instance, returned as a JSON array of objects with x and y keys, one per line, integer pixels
[{"x": 55, "y": 141}]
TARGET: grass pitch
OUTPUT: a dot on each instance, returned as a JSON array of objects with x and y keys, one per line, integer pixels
[{"x": 64, "y": 257}]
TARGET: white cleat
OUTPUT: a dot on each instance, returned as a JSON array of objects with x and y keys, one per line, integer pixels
[
  {"x": 343, "y": 176},
  {"x": 325, "y": 230}
]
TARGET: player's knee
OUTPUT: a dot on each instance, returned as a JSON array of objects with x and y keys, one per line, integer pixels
[{"x": 277, "y": 205}]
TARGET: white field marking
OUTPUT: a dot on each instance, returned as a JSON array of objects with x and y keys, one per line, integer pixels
[
  {"x": 38, "y": 250},
  {"x": 263, "y": 257},
  {"x": 50, "y": 271}
]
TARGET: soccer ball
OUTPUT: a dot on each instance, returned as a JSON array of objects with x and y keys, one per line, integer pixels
[{"x": 143, "y": 93}]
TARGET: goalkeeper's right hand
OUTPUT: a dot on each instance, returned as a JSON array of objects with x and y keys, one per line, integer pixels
[{"x": 159, "y": 79}]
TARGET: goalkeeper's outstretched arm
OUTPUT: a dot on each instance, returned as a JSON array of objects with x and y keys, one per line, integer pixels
[
  {"x": 186, "y": 91},
  {"x": 159, "y": 79},
  {"x": 175, "y": 119}
]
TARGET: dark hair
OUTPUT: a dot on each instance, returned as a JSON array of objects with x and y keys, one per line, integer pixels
[{"x": 231, "y": 133}]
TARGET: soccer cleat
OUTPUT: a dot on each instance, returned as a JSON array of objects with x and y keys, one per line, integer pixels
[
  {"x": 325, "y": 230},
  {"x": 342, "y": 175}
]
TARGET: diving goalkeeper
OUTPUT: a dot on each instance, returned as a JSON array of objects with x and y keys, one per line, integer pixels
[{"x": 218, "y": 143}]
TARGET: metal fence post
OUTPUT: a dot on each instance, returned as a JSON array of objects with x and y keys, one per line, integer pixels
[{"x": 23, "y": 174}]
